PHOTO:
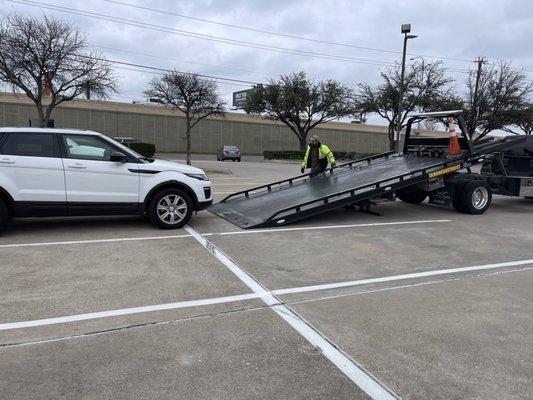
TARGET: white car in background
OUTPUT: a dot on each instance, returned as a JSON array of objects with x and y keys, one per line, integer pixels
[{"x": 60, "y": 172}]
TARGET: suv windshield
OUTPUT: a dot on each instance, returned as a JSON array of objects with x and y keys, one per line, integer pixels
[{"x": 129, "y": 151}]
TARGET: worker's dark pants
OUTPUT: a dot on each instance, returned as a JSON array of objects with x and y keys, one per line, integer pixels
[{"x": 318, "y": 170}]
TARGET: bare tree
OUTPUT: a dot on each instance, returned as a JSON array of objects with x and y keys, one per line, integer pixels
[
  {"x": 46, "y": 59},
  {"x": 300, "y": 103},
  {"x": 502, "y": 90},
  {"x": 194, "y": 96},
  {"x": 520, "y": 121},
  {"x": 426, "y": 88}
]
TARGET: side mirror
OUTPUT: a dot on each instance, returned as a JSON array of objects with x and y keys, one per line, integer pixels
[{"x": 117, "y": 156}]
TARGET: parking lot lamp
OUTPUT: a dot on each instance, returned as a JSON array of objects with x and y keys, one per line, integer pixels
[{"x": 406, "y": 28}]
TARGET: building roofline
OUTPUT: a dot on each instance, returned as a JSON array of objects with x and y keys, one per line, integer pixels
[{"x": 148, "y": 109}]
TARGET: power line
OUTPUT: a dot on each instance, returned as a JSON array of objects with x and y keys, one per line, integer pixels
[
  {"x": 161, "y": 71},
  {"x": 170, "y": 30},
  {"x": 196, "y": 35},
  {"x": 201, "y": 36},
  {"x": 181, "y": 61},
  {"x": 285, "y": 35}
]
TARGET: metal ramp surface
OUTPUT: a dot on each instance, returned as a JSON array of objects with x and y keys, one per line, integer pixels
[{"x": 296, "y": 198}]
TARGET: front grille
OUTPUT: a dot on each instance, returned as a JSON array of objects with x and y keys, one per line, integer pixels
[{"x": 207, "y": 192}]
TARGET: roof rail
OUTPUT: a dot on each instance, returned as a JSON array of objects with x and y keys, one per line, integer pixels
[{"x": 437, "y": 114}]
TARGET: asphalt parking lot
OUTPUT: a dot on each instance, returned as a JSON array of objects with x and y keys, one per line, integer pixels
[{"x": 418, "y": 303}]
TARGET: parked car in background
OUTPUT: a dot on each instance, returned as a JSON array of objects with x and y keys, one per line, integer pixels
[
  {"x": 229, "y": 153},
  {"x": 125, "y": 139},
  {"x": 63, "y": 172}
]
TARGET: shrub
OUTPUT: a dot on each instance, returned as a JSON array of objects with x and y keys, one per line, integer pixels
[
  {"x": 299, "y": 155},
  {"x": 144, "y": 149}
]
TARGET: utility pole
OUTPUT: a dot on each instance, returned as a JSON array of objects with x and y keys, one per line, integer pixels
[{"x": 474, "y": 113}]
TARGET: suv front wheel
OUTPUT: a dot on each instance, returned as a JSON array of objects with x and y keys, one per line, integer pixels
[
  {"x": 170, "y": 209},
  {"x": 4, "y": 215}
]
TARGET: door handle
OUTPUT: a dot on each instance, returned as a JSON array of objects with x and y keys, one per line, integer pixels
[
  {"x": 7, "y": 161},
  {"x": 77, "y": 166}
]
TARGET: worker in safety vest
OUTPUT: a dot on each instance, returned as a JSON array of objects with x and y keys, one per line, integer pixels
[{"x": 317, "y": 157}]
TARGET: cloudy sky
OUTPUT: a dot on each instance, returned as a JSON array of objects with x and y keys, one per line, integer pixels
[{"x": 351, "y": 41}]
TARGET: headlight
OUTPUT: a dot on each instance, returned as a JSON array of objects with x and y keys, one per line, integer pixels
[{"x": 202, "y": 177}]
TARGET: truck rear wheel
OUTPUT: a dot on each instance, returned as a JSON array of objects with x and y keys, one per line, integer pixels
[
  {"x": 457, "y": 199},
  {"x": 412, "y": 195},
  {"x": 4, "y": 215},
  {"x": 475, "y": 197}
]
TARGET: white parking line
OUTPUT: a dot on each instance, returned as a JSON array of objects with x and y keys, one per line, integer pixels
[
  {"x": 132, "y": 239},
  {"x": 325, "y": 227},
  {"x": 126, "y": 311},
  {"x": 241, "y": 232},
  {"x": 415, "y": 275},
  {"x": 249, "y": 296},
  {"x": 355, "y": 372}
]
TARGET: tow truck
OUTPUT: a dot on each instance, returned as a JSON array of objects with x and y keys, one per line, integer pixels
[{"x": 422, "y": 169}]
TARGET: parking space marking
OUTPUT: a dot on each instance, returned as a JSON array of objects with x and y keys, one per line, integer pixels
[
  {"x": 312, "y": 228},
  {"x": 247, "y": 296},
  {"x": 241, "y": 232},
  {"x": 391, "y": 278},
  {"x": 352, "y": 369},
  {"x": 132, "y": 239},
  {"x": 126, "y": 311},
  {"x": 408, "y": 285}
]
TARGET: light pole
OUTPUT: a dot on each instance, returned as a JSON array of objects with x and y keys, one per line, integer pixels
[{"x": 406, "y": 28}]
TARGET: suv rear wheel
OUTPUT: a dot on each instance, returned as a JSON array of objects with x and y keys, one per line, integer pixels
[
  {"x": 4, "y": 215},
  {"x": 170, "y": 209}
]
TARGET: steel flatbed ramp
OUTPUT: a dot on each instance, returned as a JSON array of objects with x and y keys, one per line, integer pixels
[{"x": 296, "y": 198}]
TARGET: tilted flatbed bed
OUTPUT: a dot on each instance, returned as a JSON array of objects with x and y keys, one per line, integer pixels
[{"x": 414, "y": 174}]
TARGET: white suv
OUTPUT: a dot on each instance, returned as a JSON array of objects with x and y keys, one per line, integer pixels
[{"x": 59, "y": 172}]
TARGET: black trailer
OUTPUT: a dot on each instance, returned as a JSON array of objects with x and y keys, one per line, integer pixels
[{"x": 423, "y": 169}]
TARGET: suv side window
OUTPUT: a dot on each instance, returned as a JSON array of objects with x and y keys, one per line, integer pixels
[
  {"x": 29, "y": 144},
  {"x": 85, "y": 147}
]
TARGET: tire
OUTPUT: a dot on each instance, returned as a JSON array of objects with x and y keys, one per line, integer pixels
[
  {"x": 529, "y": 197},
  {"x": 239, "y": 159},
  {"x": 4, "y": 215},
  {"x": 412, "y": 196},
  {"x": 475, "y": 197},
  {"x": 457, "y": 202},
  {"x": 170, "y": 209}
]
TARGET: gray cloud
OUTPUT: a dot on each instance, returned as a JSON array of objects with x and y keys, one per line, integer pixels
[{"x": 465, "y": 29}]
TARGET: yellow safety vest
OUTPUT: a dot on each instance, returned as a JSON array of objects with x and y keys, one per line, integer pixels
[{"x": 323, "y": 151}]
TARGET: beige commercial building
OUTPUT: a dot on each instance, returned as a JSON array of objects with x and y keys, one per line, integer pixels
[{"x": 166, "y": 128}]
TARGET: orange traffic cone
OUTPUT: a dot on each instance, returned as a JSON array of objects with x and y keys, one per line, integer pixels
[{"x": 455, "y": 148}]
